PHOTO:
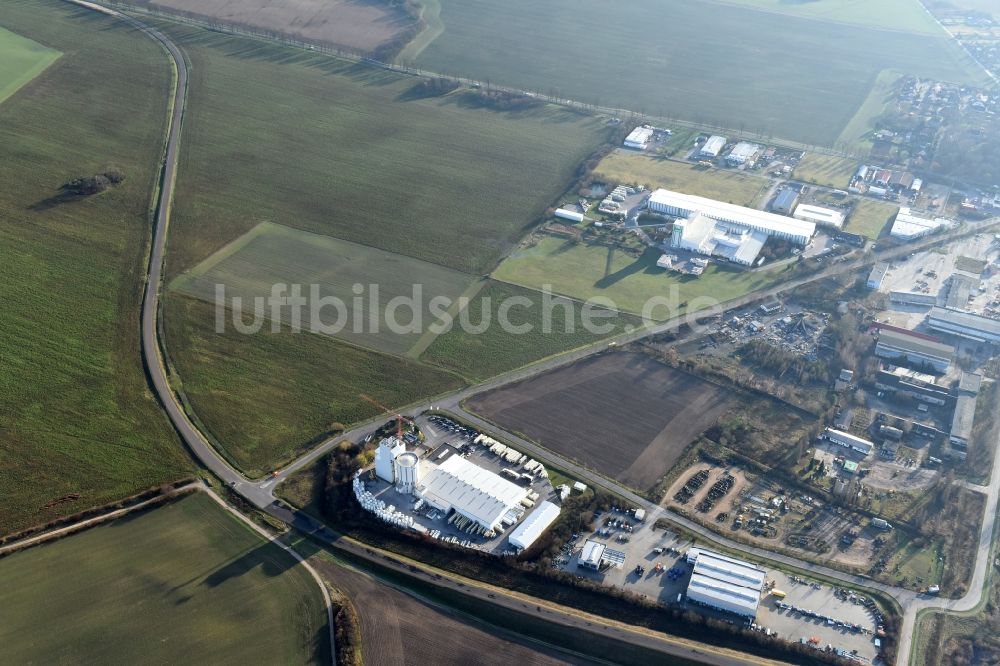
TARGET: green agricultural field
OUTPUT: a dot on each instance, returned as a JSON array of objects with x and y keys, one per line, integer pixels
[
  {"x": 21, "y": 60},
  {"x": 266, "y": 396},
  {"x": 479, "y": 356},
  {"x": 734, "y": 66},
  {"x": 735, "y": 187},
  {"x": 272, "y": 254},
  {"x": 904, "y": 15},
  {"x": 186, "y": 578},
  {"x": 583, "y": 271},
  {"x": 340, "y": 149},
  {"x": 870, "y": 218},
  {"x": 856, "y": 136},
  {"x": 826, "y": 170},
  {"x": 77, "y": 420}
]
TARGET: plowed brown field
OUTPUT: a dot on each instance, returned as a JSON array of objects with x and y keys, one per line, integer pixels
[{"x": 624, "y": 415}]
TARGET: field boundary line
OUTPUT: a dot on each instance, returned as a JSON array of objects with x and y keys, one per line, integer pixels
[
  {"x": 430, "y": 16},
  {"x": 429, "y": 336},
  {"x": 184, "y": 279},
  {"x": 96, "y": 521}
]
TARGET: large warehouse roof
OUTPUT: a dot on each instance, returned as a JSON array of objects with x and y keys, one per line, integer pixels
[
  {"x": 849, "y": 440},
  {"x": 727, "y": 212},
  {"x": 908, "y": 226},
  {"x": 914, "y": 345},
  {"x": 819, "y": 215},
  {"x": 532, "y": 527},
  {"x": 725, "y": 582},
  {"x": 474, "y": 492},
  {"x": 964, "y": 323}
]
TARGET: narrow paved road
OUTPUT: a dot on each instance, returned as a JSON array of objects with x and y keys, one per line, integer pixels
[{"x": 261, "y": 492}]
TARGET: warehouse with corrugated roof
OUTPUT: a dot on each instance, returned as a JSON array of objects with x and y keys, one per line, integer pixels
[{"x": 725, "y": 583}]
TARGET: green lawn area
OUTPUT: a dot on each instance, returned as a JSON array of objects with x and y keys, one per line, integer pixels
[
  {"x": 624, "y": 166},
  {"x": 584, "y": 271},
  {"x": 799, "y": 77},
  {"x": 21, "y": 60},
  {"x": 265, "y": 396},
  {"x": 826, "y": 170},
  {"x": 186, "y": 578},
  {"x": 76, "y": 414},
  {"x": 272, "y": 254},
  {"x": 870, "y": 218},
  {"x": 478, "y": 356},
  {"x": 914, "y": 563},
  {"x": 340, "y": 149}
]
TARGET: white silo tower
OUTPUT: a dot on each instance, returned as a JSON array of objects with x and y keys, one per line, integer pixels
[
  {"x": 388, "y": 450},
  {"x": 407, "y": 470}
]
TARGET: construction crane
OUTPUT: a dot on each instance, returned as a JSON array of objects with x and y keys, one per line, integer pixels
[{"x": 399, "y": 417}]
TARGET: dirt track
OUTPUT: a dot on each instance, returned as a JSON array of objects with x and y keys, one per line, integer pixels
[
  {"x": 625, "y": 415},
  {"x": 400, "y": 630},
  {"x": 358, "y": 24}
]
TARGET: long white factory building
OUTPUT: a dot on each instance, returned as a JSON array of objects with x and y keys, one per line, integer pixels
[
  {"x": 473, "y": 492},
  {"x": 725, "y": 583},
  {"x": 534, "y": 525},
  {"x": 714, "y": 228}
]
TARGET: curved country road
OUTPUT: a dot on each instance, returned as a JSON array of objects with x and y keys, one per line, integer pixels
[
  {"x": 210, "y": 458},
  {"x": 260, "y": 492}
]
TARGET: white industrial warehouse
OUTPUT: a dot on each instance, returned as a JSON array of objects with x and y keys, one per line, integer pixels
[
  {"x": 714, "y": 228},
  {"x": 534, "y": 525},
  {"x": 819, "y": 215},
  {"x": 848, "y": 441},
  {"x": 964, "y": 324},
  {"x": 713, "y": 146},
  {"x": 473, "y": 492},
  {"x": 725, "y": 583},
  {"x": 484, "y": 503},
  {"x": 639, "y": 138},
  {"x": 908, "y": 226}
]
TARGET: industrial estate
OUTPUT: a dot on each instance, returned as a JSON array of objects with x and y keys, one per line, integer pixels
[{"x": 224, "y": 437}]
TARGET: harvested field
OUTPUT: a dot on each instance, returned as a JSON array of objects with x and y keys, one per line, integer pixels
[
  {"x": 399, "y": 629},
  {"x": 624, "y": 415},
  {"x": 364, "y": 25}
]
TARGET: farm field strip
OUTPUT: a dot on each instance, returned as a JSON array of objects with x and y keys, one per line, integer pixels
[
  {"x": 80, "y": 427},
  {"x": 624, "y": 166},
  {"x": 809, "y": 98},
  {"x": 870, "y": 218},
  {"x": 359, "y": 155},
  {"x": 364, "y": 26},
  {"x": 479, "y": 356},
  {"x": 21, "y": 60},
  {"x": 826, "y": 170},
  {"x": 624, "y": 415},
  {"x": 266, "y": 396},
  {"x": 183, "y": 575},
  {"x": 333, "y": 268}
]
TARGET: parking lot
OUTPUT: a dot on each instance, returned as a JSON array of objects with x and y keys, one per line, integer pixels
[{"x": 810, "y": 612}]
